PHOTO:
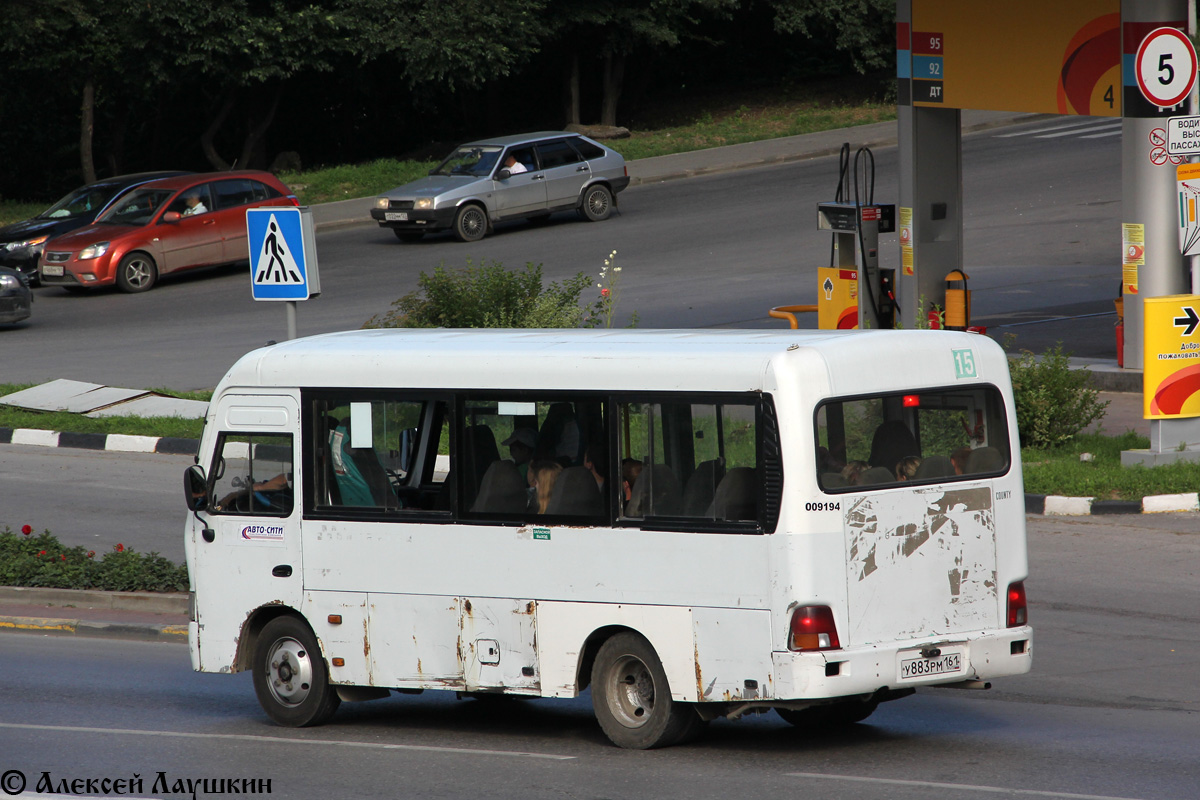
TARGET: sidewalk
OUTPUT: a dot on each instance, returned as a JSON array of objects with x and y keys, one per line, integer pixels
[
  {"x": 119, "y": 615},
  {"x": 344, "y": 213}
]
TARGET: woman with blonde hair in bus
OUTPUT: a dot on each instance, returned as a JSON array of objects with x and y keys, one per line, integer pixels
[{"x": 542, "y": 475}]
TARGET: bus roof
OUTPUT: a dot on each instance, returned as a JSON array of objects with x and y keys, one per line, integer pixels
[{"x": 653, "y": 360}]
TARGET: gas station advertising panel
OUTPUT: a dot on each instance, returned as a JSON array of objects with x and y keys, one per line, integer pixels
[{"x": 1061, "y": 57}]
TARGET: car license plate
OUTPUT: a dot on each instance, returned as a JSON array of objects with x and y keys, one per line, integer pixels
[
  {"x": 914, "y": 665},
  {"x": 396, "y": 216},
  {"x": 53, "y": 270}
]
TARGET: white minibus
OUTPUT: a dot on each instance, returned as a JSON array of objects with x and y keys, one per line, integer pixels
[{"x": 694, "y": 524}]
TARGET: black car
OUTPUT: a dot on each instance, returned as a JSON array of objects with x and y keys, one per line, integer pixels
[
  {"x": 16, "y": 301},
  {"x": 21, "y": 243}
]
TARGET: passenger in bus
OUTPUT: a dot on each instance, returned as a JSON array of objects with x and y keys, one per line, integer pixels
[
  {"x": 853, "y": 470},
  {"x": 892, "y": 441},
  {"x": 631, "y": 468},
  {"x": 361, "y": 479},
  {"x": 595, "y": 458},
  {"x": 520, "y": 446},
  {"x": 959, "y": 459},
  {"x": 542, "y": 475},
  {"x": 502, "y": 490},
  {"x": 906, "y": 470}
]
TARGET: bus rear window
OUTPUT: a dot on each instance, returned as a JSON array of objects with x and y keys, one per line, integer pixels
[{"x": 923, "y": 436}]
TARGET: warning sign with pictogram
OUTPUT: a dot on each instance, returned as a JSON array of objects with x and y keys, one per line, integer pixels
[{"x": 279, "y": 259}]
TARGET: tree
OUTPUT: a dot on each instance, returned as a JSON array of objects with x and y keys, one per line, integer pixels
[
  {"x": 84, "y": 45},
  {"x": 613, "y": 29},
  {"x": 865, "y": 30}
]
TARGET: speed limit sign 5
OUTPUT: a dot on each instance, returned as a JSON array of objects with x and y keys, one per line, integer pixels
[{"x": 1166, "y": 67}]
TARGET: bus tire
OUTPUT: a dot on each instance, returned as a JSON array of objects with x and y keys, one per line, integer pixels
[
  {"x": 290, "y": 676},
  {"x": 632, "y": 700},
  {"x": 833, "y": 715}
]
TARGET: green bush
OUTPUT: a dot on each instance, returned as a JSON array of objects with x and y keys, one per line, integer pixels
[
  {"x": 1054, "y": 402},
  {"x": 41, "y": 560},
  {"x": 488, "y": 296}
]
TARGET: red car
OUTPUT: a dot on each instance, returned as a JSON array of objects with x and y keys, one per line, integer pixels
[{"x": 163, "y": 226}]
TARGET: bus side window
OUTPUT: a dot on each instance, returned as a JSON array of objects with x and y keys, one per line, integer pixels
[
  {"x": 696, "y": 460},
  {"x": 253, "y": 474},
  {"x": 379, "y": 454}
]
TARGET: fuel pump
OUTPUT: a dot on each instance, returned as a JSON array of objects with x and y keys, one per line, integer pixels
[{"x": 854, "y": 251}]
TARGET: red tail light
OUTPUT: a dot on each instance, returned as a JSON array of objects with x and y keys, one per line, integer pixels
[
  {"x": 1018, "y": 613},
  {"x": 813, "y": 629}
]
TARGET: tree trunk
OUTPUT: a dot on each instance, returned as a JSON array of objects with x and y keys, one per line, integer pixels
[
  {"x": 255, "y": 135},
  {"x": 614, "y": 76},
  {"x": 206, "y": 138},
  {"x": 87, "y": 124},
  {"x": 573, "y": 91}
]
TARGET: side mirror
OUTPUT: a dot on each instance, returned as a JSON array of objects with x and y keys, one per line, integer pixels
[
  {"x": 171, "y": 216},
  {"x": 195, "y": 488},
  {"x": 503, "y": 175}
]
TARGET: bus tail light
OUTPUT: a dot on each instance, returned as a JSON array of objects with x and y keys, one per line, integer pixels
[
  {"x": 813, "y": 629},
  {"x": 1018, "y": 613}
]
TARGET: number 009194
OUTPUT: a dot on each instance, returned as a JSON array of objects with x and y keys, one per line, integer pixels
[{"x": 830, "y": 506}]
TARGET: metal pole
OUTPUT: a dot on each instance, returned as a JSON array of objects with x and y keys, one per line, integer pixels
[{"x": 291, "y": 318}]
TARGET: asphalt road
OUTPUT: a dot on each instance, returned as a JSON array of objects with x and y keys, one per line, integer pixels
[
  {"x": 1109, "y": 712},
  {"x": 1042, "y": 233}
]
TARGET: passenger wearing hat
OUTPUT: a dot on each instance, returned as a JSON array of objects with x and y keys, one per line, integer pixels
[{"x": 520, "y": 446}]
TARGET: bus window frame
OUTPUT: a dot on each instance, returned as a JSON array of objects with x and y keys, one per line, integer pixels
[
  {"x": 1001, "y": 416},
  {"x": 339, "y": 396}
]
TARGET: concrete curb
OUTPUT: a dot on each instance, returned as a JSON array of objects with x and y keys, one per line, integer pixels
[
  {"x": 71, "y": 624},
  {"x": 112, "y": 442},
  {"x": 1058, "y": 506},
  {"x": 93, "y": 629}
]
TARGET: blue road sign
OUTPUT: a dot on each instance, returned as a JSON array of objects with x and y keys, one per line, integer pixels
[{"x": 277, "y": 254}]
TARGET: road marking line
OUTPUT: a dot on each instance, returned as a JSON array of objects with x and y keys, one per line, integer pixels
[
  {"x": 1101, "y": 135},
  {"x": 1044, "y": 130},
  {"x": 1105, "y": 127},
  {"x": 282, "y": 740},
  {"x": 957, "y": 786}
]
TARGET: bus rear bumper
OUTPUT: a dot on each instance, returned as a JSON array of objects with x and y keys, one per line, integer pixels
[{"x": 981, "y": 656}]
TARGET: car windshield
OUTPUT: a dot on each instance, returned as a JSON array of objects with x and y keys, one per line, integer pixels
[
  {"x": 477, "y": 161},
  {"x": 136, "y": 208},
  {"x": 85, "y": 200}
]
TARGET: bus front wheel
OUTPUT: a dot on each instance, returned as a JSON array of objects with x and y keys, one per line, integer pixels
[
  {"x": 290, "y": 676},
  {"x": 632, "y": 700}
]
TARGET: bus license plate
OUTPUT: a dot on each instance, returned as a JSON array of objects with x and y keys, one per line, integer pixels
[
  {"x": 396, "y": 216},
  {"x": 53, "y": 270},
  {"x": 946, "y": 663}
]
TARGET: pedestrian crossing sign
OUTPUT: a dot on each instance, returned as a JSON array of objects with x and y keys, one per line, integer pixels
[{"x": 282, "y": 254}]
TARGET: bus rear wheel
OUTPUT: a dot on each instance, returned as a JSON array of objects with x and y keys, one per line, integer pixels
[
  {"x": 632, "y": 700},
  {"x": 290, "y": 676}
]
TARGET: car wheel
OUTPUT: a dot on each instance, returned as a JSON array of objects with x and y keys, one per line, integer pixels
[
  {"x": 597, "y": 203},
  {"x": 470, "y": 224},
  {"x": 408, "y": 236},
  {"x": 632, "y": 700},
  {"x": 290, "y": 676},
  {"x": 136, "y": 273}
]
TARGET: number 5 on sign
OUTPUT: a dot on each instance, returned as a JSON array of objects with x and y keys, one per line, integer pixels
[{"x": 964, "y": 364}]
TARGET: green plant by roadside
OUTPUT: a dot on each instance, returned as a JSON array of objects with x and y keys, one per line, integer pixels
[
  {"x": 610, "y": 293},
  {"x": 488, "y": 296},
  {"x": 1059, "y": 470},
  {"x": 1054, "y": 403},
  {"x": 41, "y": 560},
  {"x": 13, "y": 418}
]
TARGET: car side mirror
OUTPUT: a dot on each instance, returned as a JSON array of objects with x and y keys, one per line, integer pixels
[
  {"x": 172, "y": 216},
  {"x": 503, "y": 175},
  {"x": 195, "y": 488}
]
